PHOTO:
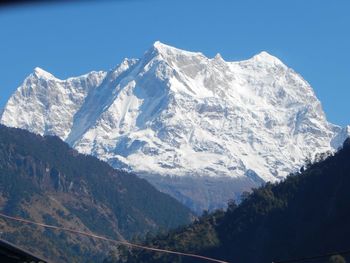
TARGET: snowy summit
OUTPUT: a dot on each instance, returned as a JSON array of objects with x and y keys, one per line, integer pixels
[{"x": 179, "y": 113}]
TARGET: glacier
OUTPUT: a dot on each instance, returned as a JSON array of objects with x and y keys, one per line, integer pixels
[{"x": 184, "y": 121}]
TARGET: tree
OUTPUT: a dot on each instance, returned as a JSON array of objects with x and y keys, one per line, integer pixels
[
  {"x": 244, "y": 195},
  {"x": 231, "y": 205},
  {"x": 336, "y": 259}
]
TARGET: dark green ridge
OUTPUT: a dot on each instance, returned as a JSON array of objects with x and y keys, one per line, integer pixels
[
  {"x": 305, "y": 216},
  {"x": 44, "y": 180}
]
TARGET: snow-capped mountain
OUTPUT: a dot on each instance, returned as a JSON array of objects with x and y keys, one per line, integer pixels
[{"x": 179, "y": 113}]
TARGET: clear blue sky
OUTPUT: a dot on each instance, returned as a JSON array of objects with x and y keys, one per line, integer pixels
[{"x": 311, "y": 36}]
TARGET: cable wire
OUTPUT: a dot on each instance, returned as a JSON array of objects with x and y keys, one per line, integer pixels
[
  {"x": 125, "y": 243},
  {"x": 314, "y": 257}
]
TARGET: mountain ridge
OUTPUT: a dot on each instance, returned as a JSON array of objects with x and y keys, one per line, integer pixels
[
  {"x": 178, "y": 113},
  {"x": 44, "y": 180},
  {"x": 304, "y": 216}
]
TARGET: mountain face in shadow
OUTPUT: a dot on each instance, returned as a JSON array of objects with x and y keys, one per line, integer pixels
[{"x": 42, "y": 179}]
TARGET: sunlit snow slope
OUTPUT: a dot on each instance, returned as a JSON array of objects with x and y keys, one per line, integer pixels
[{"x": 179, "y": 113}]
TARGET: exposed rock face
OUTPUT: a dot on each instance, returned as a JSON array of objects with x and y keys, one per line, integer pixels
[{"x": 179, "y": 113}]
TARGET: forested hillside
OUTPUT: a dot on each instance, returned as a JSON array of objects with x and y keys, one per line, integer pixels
[
  {"x": 307, "y": 214},
  {"x": 43, "y": 179}
]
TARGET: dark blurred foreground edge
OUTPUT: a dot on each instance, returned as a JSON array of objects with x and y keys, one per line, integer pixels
[
  {"x": 4, "y": 3},
  {"x": 10, "y": 253},
  {"x": 16, "y": 2},
  {"x": 9, "y": 3}
]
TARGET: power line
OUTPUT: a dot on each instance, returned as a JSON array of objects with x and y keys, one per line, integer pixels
[
  {"x": 125, "y": 243},
  {"x": 313, "y": 257}
]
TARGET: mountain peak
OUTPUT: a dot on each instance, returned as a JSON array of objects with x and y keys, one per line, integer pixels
[
  {"x": 167, "y": 50},
  {"x": 266, "y": 57},
  {"x": 218, "y": 57},
  {"x": 162, "y": 48},
  {"x": 159, "y": 45},
  {"x": 40, "y": 73},
  {"x": 180, "y": 113}
]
